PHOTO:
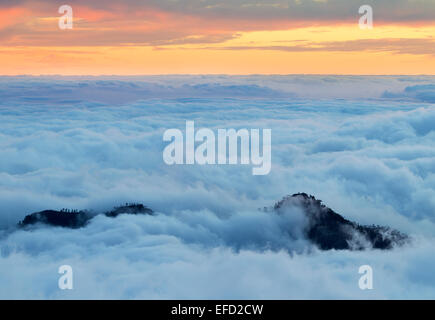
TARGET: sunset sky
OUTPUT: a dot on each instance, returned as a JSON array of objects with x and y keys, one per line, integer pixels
[{"x": 217, "y": 37}]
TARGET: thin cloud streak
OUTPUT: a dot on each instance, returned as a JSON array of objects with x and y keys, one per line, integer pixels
[{"x": 398, "y": 46}]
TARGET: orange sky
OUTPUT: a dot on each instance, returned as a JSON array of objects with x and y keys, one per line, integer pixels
[{"x": 153, "y": 40}]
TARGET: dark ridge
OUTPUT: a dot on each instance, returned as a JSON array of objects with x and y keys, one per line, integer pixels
[
  {"x": 76, "y": 219},
  {"x": 130, "y": 208},
  {"x": 325, "y": 228},
  {"x": 329, "y": 230},
  {"x": 63, "y": 218}
]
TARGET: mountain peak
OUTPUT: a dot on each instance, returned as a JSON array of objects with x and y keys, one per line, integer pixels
[{"x": 329, "y": 230}]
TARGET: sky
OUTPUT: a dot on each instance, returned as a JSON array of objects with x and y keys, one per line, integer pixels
[{"x": 137, "y": 37}]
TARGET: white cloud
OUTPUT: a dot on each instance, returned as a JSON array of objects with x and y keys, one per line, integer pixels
[{"x": 368, "y": 155}]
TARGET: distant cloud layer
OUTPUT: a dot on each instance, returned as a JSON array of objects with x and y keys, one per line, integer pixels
[
  {"x": 402, "y": 46},
  {"x": 315, "y": 10},
  {"x": 364, "y": 145},
  {"x": 156, "y": 23}
]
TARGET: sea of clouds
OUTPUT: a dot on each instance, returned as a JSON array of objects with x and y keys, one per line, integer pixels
[{"x": 364, "y": 145}]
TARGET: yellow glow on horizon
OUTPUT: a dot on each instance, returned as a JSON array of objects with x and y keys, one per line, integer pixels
[{"x": 233, "y": 56}]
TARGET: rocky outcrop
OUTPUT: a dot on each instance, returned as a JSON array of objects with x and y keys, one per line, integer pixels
[
  {"x": 329, "y": 230},
  {"x": 134, "y": 208},
  {"x": 77, "y": 219},
  {"x": 324, "y": 228},
  {"x": 63, "y": 218}
]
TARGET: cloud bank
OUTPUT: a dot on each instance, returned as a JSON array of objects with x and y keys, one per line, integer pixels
[{"x": 364, "y": 145}]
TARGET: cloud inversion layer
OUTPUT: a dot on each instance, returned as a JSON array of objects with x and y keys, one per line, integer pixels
[{"x": 365, "y": 145}]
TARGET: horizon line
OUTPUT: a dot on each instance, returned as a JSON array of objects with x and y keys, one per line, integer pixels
[{"x": 217, "y": 74}]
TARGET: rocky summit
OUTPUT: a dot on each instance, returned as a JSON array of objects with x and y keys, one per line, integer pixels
[
  {"x": 329, "y": 230},
  {"x": 324, "y": 228},
  {"x": 77, "y": 219}
]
